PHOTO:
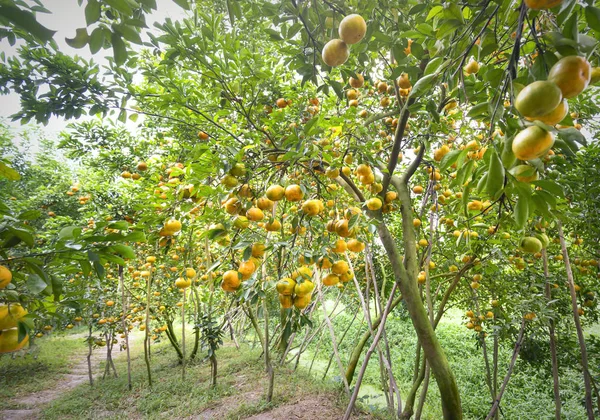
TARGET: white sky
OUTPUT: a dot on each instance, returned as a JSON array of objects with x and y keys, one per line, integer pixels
[{"x": 66, "y": 17}]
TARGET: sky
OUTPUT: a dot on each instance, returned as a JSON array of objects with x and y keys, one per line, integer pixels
[{"x": 66, "y": 17}]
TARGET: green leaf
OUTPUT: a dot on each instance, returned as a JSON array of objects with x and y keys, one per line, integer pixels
[
  {"x": 23, "y": 235},
  {"x": 119, "y": 48},
  {"x": 8, "y": 172},
  {"x": 478, "y": 110},
  {"x": 92, "y": 12},
  {"x": 308, "y": 127},
  {"x": 35, "y": 284},
  {"x": 495, "y": 179},
  {"x": 521, "y": 210},
  {"x": 550, "y": 186},
  {"x": 449, "y": 159},
  {"x": 124, "y": 251},
  {"x": 570, "y": 28},
  {"x": 423, "y": 85},
  {"x": 27, "y": 21},
  {"x": 572, "y": 134},
  {"x": 183, "y": 4},
  {"x": 69, "y": 232},
  {"x": 129, "y": 33},
  {"x": 435, "y": 10},
  {"x": 592, "y": 15},
  {"x": 234, "y": 11},
  {"x": 30, "y": 215},
  {"x": 120, "y": 5},
  {"x": 120, "y": 225}
]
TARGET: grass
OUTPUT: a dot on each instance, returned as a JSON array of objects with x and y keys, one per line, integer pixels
[
  {"x": 240, "y": 391},
  {"x": 38, "y": 369}
]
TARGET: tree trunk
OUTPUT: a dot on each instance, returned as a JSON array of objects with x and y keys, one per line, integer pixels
[
  {"x": 406, "y": 277},
  {"x": 584, "y": 360},
  {"x": 513, "y": 360},
  {"x": 370, "y": 351},
  {"x": 89, "y": 356},
  {"x": 555, "y": 380},
  {"x": 124, "y": 324},
  {"x": 333, "y": 339},
  {"x": 423, "y": 395},
  {"x": 358, "y": 348},
  {"x": 147, "y": 330},
  {"x": 183, "y": 337},
  {"x": 170, "y": 332}
]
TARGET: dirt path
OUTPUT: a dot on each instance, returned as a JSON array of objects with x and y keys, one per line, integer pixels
[{"x": 34, "y": 403}]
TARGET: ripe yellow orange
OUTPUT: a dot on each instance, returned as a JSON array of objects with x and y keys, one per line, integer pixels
[
  {"x": 190, "y": 273},
  {"x": 275, "y": 192},
  {"x": 294, "y": 193},
  {"x": 524, "y": 173},
  {"x": 352, "y": 94},
  {"x": 571, "y": 74},
  {"x": 258, "y": 250},
  {"x": 439, "y": 154},
  {"x": 340, "y": 246},
  {"x": 286, "y": 301},
  {"x": 532, "y": 143},
  {"x": 358, "y": 82},
  {"x": 281, "y": 103},
  {"x": 264, "y": 203},
  {"x": 286, "y": 286},
  {"x": 403, "y": 81},
  {"x": 312, "y": 207},
  {"x": 555, "y": 116},
  {"x": 182, "y": 283},
  {"x": 305, "y": 288},
  {"x": 9, "y": 341},
  {"x": 10, "y": 315},
  {"x": 231, "y": 281},
  {"x": 355, "y": 245},
  {"x": 352, "y": 29},
  {"x": 173, "y": 226},
  {"x": 202, "y": 135},
  {"x": 142, "y": 166},
  {"x": 255, "y": 214},
  {"x": 374, "y": 203},
  {"x": 330, "y": 280},
  {"x": 417, "y": 189},
  {"x": 246, "y": 268},
  {"x": 273, "y": 226},
  {"x": 340, "y": 267},
  {"x": 472, "y": 67},
  {"x": 302, "y": 301},
  {"x": 475, "y": 205},
  {"x": 542, "y": 4},
  {"x": 5, "y": 277},
  {"x": 335, "y": 53},
  {"x": 346, "y": 277}
]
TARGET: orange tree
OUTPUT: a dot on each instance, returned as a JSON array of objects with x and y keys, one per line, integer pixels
[{"x": 312, "y": 129}]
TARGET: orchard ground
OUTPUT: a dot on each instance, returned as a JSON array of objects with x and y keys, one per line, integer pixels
[{"x": 240, "y": 392}]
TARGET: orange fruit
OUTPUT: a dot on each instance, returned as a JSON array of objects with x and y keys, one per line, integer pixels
[
  {"x": 571, "y": 74},
  {"x": 532, "y": 143},
  {"x": 538, "y": 98},
  {"x": 335, "y": 53},
  {"x": 352, "y": 29}
]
